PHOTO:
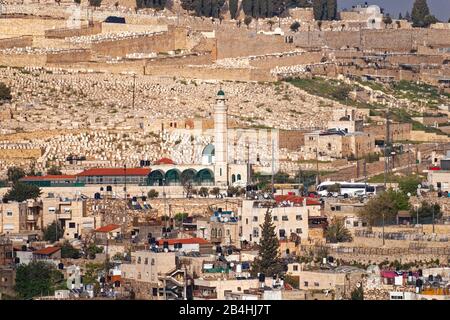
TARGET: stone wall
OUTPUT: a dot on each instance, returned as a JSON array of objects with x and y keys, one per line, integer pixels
[
  {"x": 207, "y": 73},
  {"x": 31, "y": 26},
  {"x": 291, "y": 139},
  {"x": 239, "y": 44},
  {"x": 195, "y": 206},
  {"x": 174, "y": 39},
  {"x": 393, "y": 40},
  {"x": 71, "y": 56},
  {"x": 16, "y": 42},
  {"x": 62, "y": 33}
]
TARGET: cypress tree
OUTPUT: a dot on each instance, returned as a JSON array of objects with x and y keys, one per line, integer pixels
[
  {"x": 268, "y": 261},
  {"x": 408, "y": 16},
  {"x": 400, "y": 17},
  {"x": 233, "y": 5},
  {"x": 331, "y": 9},
  {"x": 419, "y": 12},
  {"x": 319, "y": 7},
  {"x": 247, "y": 6}
]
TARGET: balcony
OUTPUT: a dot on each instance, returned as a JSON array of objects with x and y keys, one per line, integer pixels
[{"x": 32, "y": 217}]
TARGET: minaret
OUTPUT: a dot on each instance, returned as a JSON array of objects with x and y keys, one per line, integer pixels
[{"x": 220, "y": 141}]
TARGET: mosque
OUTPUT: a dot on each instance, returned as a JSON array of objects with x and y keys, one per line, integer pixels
[{"x": 225, "y": 158}]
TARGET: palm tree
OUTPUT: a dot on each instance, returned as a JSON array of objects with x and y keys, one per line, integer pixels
[{"x": 337, "y": 232}]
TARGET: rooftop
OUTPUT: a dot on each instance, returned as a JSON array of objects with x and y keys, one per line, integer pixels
[
  {"x": 48, "y": 177},
  {"x": 47, "y": 251},
  {"x": 107, "y": 228},
  {"x": 115, "y": 172}
]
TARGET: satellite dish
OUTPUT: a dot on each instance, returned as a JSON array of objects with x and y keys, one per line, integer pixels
[
  {"x": 358, "y": 285},
  {"x": 232, "y": 264},
  {"x": 225, "y": 220}
]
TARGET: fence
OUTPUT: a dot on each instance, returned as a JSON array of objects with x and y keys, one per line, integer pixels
[
  {"x": 375, "y": 251},
  {"x": 402, "y": 236}
]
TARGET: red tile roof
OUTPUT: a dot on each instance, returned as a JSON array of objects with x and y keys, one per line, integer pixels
[
  {"x": 183, "y": 241},
  {"x": 49, "y": 177},
  {"x": 115, "y": 172},
  {"x": 47, "y": 251},
  {"x": 296, "y": 199},
  {"x": 107, "y": 228},
  {"x": 164, "y": 161}
]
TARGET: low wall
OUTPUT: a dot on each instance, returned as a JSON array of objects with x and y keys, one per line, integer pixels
[
  {"x": 205, "y": 73},
  {"x": 62, "y": 33},
  {"x": 16, "y": 42},
  {"x": 69, "y": 56}
]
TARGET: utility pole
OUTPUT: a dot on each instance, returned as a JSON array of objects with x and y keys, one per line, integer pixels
[
  {"x": 386, "y": 150},
  {"x": 432, "y": 210},
  {"x": 365, "y": 174},
  {"x": 383, "y": 229}
]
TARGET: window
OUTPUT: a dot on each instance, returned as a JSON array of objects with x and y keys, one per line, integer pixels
[
  {"x": 71, "y": 225},
  {"x": 146, "y": 261},
  {"x": 9, "y": 213},
  {"x": 256, "y": 232},
  {"x": 298, "y": 230},
  {"x": 246, "y": 221},
  {"x": 153, "y": 262},
  {"x": 338, "y": 208},
  {"x": 275, "y": 218},
  {"x": 255, "y": 219},
  {"x": 228, "y": 232},
  {"x": 139, "y": 260},
  {"x": 298, "y": 217},
  {"x": 305, "y": 283},
  {"x": 239, "y": 177},
  {"x": 295, "y": 267},
  {"x": 284, "y": 218},
  {"x": 316, "y": 284}
]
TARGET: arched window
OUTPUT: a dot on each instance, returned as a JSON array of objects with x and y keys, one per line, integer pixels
[
  {"x": 239, "y": 178},
  {"x": 233, "y": 178},
  {"x": 219, "y": 233}
]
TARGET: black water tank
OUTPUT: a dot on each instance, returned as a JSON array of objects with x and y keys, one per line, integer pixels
[
  {"x": 97, "y": 196},
  {"x": 166, "y": 245},
  {"x": 61, "y": 266},
  {"x": 108, "y": 188}
]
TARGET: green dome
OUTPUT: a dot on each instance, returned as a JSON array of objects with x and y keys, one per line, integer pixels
[{"x": 221, "y": 93}]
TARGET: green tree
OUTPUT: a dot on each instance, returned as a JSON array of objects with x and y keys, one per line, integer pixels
[
  {"x": 215, "y": 191},
  {"x": 181, "y": 216},
  {"x": 95, "y": 3},
  {"x": 337, "y": 232},
  {"x": 408, "y": 16},
  {"x": 53, "y": 232},
  {"x": 387, "y": 20},
  {"x": 152, "y": 194},
  {"x": 429, "y": 20},
  {"x": 54, "y": 170},
  {"x": 409, "y": 184},
  {"x": 203, "y": 192},
  {"x": 358, "y": 293},
  {"x": 233, "y": 7},
  {"x": 37, "y": 278},
  {"x": 248, "y": 20},
  {"x": 385, "y": 204},
  {"x": 400, "y": 17},
  {"x": 154, "y": 4},
  {"x": 426, "y": 212},
  {"x": 68, "y": 251},
  {"x": 92, "y": 250},
  {"x": 295, "y": 26},
  {"x": 320, "y": 9},
  {"x": 5, "y": 93},
  {"x": 332, "y": 11},
  {"x": 188, "y": 5},
  {"x": 268, "y": 260},
  {"x": 14, "y": 174},
  {"x": 270, "y": 23},
  {"x": 419, "y": 12},
  {"x": 22, "y": 191}
]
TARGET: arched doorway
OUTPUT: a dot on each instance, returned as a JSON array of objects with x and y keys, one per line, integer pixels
[
  {"x": 155, "y": 178},
  {"x": 208, "y": 154},
  {"x": 173, "y": 177},
  {"x": 188, "y": 175},
  {"x": 205, "y": 177}
]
